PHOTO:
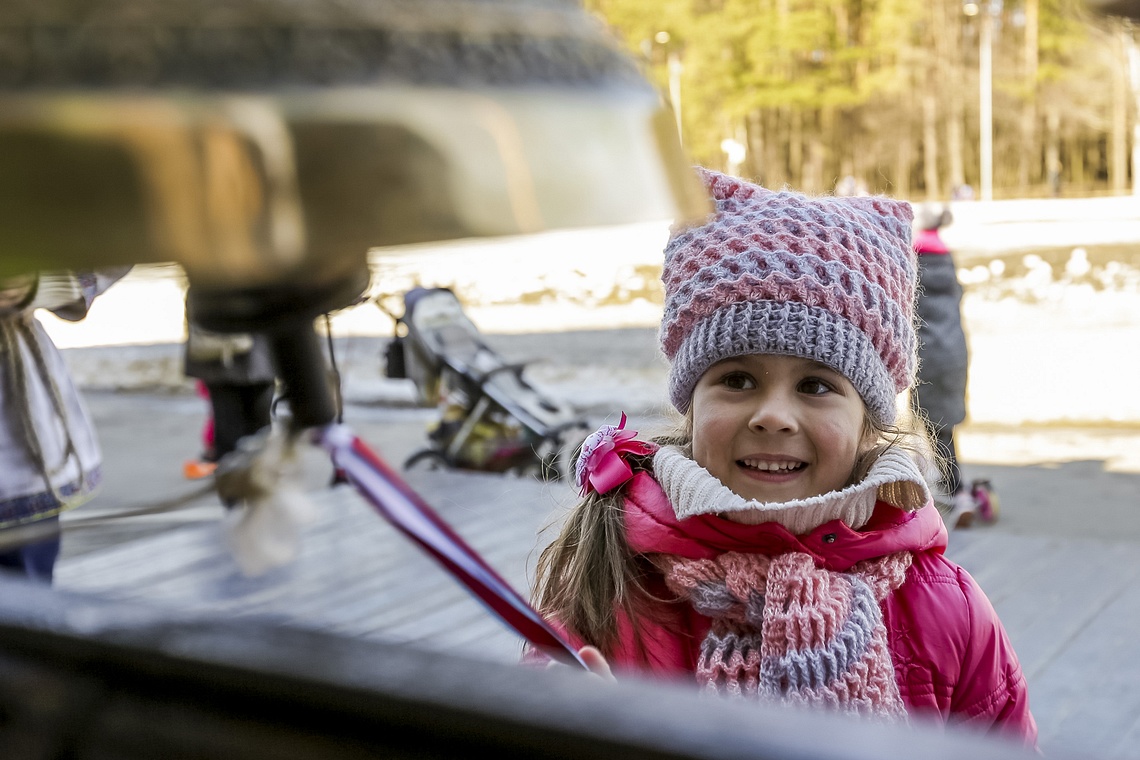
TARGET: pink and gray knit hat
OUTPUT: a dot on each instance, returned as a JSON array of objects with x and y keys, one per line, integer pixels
[{"x": 829, "y": 279}]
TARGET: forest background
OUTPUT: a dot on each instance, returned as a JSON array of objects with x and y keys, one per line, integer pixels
[{"x": 883, "y": 95}]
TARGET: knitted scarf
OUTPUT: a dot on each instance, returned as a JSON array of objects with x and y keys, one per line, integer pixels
[
  {"x": 786, "y": 631},
  {"x": 894, "y": 478}
]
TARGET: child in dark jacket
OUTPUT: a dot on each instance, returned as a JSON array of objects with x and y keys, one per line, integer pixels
[
  {"x": 939, "y": 395},
  {"x": 783, "y": 545},
  {"x": 238, "y": 375}
]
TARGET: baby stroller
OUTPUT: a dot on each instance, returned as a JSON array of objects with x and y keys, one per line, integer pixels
[{"x": 491, "y": 418}]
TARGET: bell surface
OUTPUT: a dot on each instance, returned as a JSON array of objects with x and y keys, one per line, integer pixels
[{"x": 266, "y": 145}]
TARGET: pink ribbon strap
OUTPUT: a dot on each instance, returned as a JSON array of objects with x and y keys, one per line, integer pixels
[{"x": 601, "y": 466}]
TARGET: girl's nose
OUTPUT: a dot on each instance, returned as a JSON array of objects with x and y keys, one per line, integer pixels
[{"x": 773, "y": 412}]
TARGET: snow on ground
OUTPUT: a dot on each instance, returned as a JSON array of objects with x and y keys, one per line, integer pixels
[
  {"x": 1072, "y": 356},
  {"x": 575, "y": 280},
  {"x": 993, "y": 227}
]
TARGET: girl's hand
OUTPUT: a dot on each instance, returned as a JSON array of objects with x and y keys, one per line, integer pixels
[
  {"x": 591, "y": 656},
  {"x": 594, "y": 660},
  {"x": 596, "y": 663}
]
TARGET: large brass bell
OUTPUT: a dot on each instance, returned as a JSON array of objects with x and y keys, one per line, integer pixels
[{"x": 266, "y": 145}]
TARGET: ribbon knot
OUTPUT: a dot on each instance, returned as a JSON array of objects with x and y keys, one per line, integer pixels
[{"x": 602, "y": 466}]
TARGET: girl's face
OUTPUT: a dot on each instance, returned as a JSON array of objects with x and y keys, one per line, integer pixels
[{"x": 776, "y": 428}]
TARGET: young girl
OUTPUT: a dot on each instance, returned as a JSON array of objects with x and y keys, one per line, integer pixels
[{"x": 783, "y": 546}]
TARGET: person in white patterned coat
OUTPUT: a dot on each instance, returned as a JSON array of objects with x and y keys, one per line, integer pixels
[{"x": 49, "y": 455}]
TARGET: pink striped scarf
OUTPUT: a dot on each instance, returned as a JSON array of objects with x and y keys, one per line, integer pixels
[{"x": 786, "y": 631}]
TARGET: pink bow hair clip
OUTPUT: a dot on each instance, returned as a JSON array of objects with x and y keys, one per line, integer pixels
[{"x": 602, "y": 466}]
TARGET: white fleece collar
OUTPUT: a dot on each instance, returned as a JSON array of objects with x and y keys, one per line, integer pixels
[{"x": 893, "y": 478}]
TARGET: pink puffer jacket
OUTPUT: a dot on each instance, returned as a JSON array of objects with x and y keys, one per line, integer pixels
[{"x": 952, "y": 659}]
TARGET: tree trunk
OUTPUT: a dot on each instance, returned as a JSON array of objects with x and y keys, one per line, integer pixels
[
  {"x": 754, "y": 163},
  {"x": 903, "y": 162},
  {"x": 955, "y": 136},
  {"x": 1133, "y": 53},
  {"x": 1053, "y": 148},
  {"x": 930, "y": 145},
  {"x": 850, "y": 147},
  {"x": 796, "y": 148},
  {"x": 813, "y": 181},
  {"x": 775, "y": 168},
  {"x": 1076, "y": 156},
  {"x": 1096, "y": 163},
  {"x": 1118, "y": 140},
  {"x": 1028, "y": 147}
]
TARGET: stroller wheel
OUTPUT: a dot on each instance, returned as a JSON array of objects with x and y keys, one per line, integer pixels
[{"x": 426, "y": 459}]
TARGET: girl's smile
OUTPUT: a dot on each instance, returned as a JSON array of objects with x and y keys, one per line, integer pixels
[
  {"x": 769, "y": 469},
  {"x": 776, "y": 428}
]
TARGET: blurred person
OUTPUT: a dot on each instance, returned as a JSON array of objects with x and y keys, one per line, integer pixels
[
  {"x": 236, "y": 370},
  {"x": 939, "y": 396},
  {"x": 782, "y": 545},
  {"x": 49, "y": 454}
]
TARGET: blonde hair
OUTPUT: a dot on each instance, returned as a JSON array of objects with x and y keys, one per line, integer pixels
[{"x": 588, "y": 574}]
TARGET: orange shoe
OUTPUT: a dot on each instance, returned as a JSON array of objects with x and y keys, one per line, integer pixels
[{"x": 194, "y": 469}]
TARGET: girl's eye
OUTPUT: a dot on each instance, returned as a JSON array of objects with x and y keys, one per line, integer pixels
[
  {"x": 738, "y": 381},
  {"x": 813, "y": 386}
]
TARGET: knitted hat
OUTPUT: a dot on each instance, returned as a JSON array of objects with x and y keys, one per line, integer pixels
[{"x": 828, "y": 279}]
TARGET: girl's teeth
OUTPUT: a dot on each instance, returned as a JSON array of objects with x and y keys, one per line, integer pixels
[{"x": 772, "y": 466}]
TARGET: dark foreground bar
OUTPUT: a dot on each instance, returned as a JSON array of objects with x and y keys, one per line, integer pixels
[{"x": 82, "y": 678}]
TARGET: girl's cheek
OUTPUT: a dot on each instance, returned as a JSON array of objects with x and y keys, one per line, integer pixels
[{"x": 845, "y": 440}]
